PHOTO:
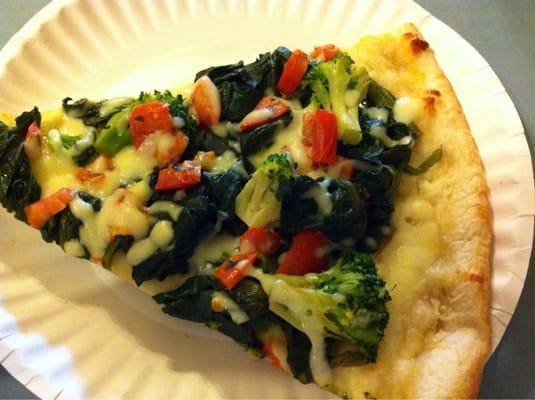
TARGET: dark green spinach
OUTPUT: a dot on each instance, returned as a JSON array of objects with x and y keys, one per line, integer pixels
[
  {"x": 241, "y": 86},
  {"x": 18, "y": 186}
]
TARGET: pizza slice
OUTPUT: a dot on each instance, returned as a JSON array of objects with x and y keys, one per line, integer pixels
[{"x": 327, "y": 211}]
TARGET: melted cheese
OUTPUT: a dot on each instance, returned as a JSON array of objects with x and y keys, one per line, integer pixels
[
  {"x": 321, "y": 197},
  {"x": 221, "y": 302},
  {"x": 288, "y": 139},
  {"x": 121, "y": 211},
  {"x": 407, "y": 109}
]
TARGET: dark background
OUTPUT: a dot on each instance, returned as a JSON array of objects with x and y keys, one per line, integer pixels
[{"x": 503, "y": 31}]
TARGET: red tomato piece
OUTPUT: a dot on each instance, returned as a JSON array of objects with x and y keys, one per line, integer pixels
[
  {"x": 324, "y": 53},
  {"x": 147, "y": 118},
  {"x": 268, "y": 109},
  {"x": 261, "y": 240},
  {"x": 42, "y": 210},
  {"x": 179, "y": 177},
  {"x": 320, "y": 131},
  {"x": 307, "y": 254},
  {"x": 206, "y": 101},
  {"x": 231, "y": 272},
  {"x": 87, "y": 176},
  {"x": 292, "y": 73}
]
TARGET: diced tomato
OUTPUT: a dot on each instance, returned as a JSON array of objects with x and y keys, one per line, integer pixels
[
  {"x": 292, "y": 73},
  {"x": 324, "y": 53},
  {"x": 321, "y": 133},
  {"x": 267, "y": 349},
  {"x": 42, "y": 210},
  {"x": 167, "y": 154},
  {"x": 179, "y": 177},
  {"x": 231, "y": 272},
  {"x": 307, "y": 254},
  {"x": 206, "y": 101},
  {"x": 268, "y": 109},
  {"x": 87, "y": 176},
  {"x": 147, "y": 118},
  {"x": 262, "y": 240}
]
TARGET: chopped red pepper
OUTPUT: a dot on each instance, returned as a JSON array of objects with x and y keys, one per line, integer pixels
[
  {"x": 321, "y": 132},
  {"x": 324, "y": 53},
  {"x": 232, "y": 271},
  {"x": 263, "y": 240},
  {"x": 268, "y": 109},
  {"x": 87, "y": 176},
  {"x": 307, "y": 254},
  {"x": 179, "y": 177},
  {"x": 292, "y": 73},
  {"x": 39, "y": 212},
  {"x": 147, "y": 118}
]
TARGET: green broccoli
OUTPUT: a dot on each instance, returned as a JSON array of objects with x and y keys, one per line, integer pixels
[
  {"x": 346, "y": 303},
  {"x": 339, "y": 86},
  {"x": 257, "y": 204}
]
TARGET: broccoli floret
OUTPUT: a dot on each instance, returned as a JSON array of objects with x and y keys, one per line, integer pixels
[
  {"x": 339, "y": 86},
  {"x": 257, "y": 204},
  {"x": 346, "y": 303}
]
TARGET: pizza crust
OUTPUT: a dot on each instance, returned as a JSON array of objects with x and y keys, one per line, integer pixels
[{"x": 437, "y": 263}]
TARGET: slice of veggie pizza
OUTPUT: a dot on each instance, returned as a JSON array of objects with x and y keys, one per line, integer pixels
[{"x": 296, "y": 204}]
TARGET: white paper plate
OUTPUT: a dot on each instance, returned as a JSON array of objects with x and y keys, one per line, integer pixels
[{"x": 71, "y": 330}]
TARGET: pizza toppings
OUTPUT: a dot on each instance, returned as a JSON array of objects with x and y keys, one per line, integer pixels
[
  {"x": 147, "y": 118},
  {"x": 293, "y": 72},
  {"x": 339, "y": 86},
  {"x": 268, "y": 109},
  {"x": 307, "y": 254},
  {"x": 321, "y": 132},
  {"x": 32, "y": 142},
  {"x": 39, "y": 212},
  {"x": 179, "y": 177},
  {"x": 290, "y": 192},
  {"x": 260, "y": 240},
  {"x": 206, "y": 102},
  {"x": 232, "y": 271},
  {"x": 324, "y": 53}
]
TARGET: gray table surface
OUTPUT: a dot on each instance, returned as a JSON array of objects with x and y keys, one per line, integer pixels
[{"x": 504, "y": 33}]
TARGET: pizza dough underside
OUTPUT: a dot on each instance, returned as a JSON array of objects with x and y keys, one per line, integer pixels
[{"x": 437, "y": 263}]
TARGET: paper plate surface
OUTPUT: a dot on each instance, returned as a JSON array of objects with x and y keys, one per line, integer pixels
[{"x": 70, "y": 329}]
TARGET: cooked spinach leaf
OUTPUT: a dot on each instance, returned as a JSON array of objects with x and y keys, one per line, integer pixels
[
  {"x": 197, "y": 218},
  {"x": 222, "y": 190},
  {"x": 333, "y": 206},
  {"x": 193, "y": 301},
  {"x": 431, "y": 160},
  {"x": 241, "y": 86},
  {"x": 62, "y": 228},
  {"x": 378, "y": 96},
  {"x": 84, "y": 157},
  {"x": 119, "y": 242},
  {"x": 93, "y": 113},
  {"x": 18, "y": 186},
  {"x": 298, "y": 348},
  {"x": 260, "y": 138}
]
